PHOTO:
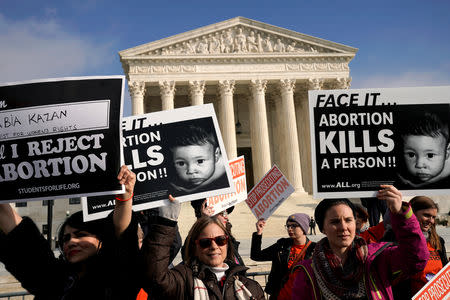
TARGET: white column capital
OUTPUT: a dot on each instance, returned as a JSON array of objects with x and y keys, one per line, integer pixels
[
  {"x": 197, "y": 88},
  {"x": 136, "y": 88},
  {"x": 258, "y": 86},
  {"x": 287, "y": 86},
  {"x": 343, "y": 83},
  {"x": 167, "y": 87},
  {"x": 226, "y": 87},
  {"x": 167, "y": 91},
  {"x": 197, "y": 91},
  {"x": 315, "y": 83},
  {"x": 137, "y": 92}
]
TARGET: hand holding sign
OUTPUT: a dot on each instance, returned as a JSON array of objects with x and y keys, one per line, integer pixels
[{"x": 392, "y": 196}]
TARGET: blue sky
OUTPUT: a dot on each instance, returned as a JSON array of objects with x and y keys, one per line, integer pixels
[{"x": 401, "y": 43}]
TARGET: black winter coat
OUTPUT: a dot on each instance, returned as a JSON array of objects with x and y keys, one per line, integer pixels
[
  {"x": 278, "y": 253},
  {"x": 178, "y": 283},
  {"x": 110, "y": 274}
]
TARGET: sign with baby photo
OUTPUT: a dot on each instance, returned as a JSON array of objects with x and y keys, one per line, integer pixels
[
  {"x": 363, "y": 138},
  {"x": 177, "y": 152},
  {"x": 60, "y": 137},
  {"x": 268, "y": 194},
  {"x": 222, "y": 202}
]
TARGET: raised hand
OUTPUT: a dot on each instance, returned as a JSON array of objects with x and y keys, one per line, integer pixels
[
  {"x": 392, "y": 196},
  {"x": 171, "y": 211},
  {"x": 260, "y": 226},
  {"x": 128, "y": 179}
]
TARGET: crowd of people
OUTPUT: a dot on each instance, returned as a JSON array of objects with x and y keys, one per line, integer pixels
[{"x": 123, "y": 257}]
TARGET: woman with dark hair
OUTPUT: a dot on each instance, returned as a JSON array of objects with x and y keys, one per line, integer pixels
[
  {"x": 207, "y": 272},
  {"x": 97, "y": 260},
  {"x": 343, "y": 266},
  {"x": 426, "y": 211}
]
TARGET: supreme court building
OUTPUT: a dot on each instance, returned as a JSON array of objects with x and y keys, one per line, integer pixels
[{"x": 256, "y": 75}]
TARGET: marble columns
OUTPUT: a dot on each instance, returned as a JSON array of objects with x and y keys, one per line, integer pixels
[
  {"x": 226, "y": 117},
  {"x": 167, "y": 91},
  {"x": 293, "y": 165},
  {"x": 137, "y": 92},
  {"x": 197, "y": 91},
  {"x": 258, "y": 129}
]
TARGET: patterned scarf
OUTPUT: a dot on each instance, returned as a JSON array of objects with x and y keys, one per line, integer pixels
[
  {"x": 240, "y": 291},
  {"x": 337, "y": 281}
]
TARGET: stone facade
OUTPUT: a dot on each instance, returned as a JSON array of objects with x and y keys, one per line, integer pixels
[{"x": 256, "y": 75}]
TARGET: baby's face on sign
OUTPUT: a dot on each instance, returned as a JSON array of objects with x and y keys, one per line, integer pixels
[
  {"x": 195, "y": 164},
  {"x": 424, "y": 156}
]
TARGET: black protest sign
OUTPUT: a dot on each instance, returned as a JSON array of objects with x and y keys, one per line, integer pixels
[
  {"x": 178, "y": 152},
  {"x": 60, "y": 138},
  {"x": 364, "y": 138}
]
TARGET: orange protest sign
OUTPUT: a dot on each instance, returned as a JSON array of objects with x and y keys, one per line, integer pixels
[{"x": 437, "y": 288}]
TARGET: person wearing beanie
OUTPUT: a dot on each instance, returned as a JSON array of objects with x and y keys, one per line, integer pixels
[
  {"x": 285, "y": 253},
  {"x": 344, "y": 266}
]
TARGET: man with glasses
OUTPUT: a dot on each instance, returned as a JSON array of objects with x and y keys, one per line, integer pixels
[{"x": 285, "y": 253}]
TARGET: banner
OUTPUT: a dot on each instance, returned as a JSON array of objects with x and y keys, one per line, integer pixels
[
  {"x": 178, "y": 152},
  {"x": 60, "y": 138},
  {"x": 361, "y": 139},
  {"x": 268, "y": 194},
  {"x": 438, "y": 288},
  {"x": 222, "y": 202}
]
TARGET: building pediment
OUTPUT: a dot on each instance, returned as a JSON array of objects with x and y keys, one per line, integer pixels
[{"x": 237, "y": 37}]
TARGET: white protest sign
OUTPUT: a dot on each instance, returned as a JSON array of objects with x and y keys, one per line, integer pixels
[
  {"x": 222, "y": 202},
  {"x": 437, "y": 288},
  {"x": 269, "y": 193}
]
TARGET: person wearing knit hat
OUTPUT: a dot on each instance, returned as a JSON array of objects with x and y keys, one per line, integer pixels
[
  {"x": 285, "y": 253},
  {"x": 301, "y": 219}
]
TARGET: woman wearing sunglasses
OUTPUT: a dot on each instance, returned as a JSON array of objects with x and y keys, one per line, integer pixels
[
  {"x": 285, "y": 253},
  {"x": 207, "y": 272},
  {"x": 97, "y": 257},
  {"x": 201, "y": 208}
]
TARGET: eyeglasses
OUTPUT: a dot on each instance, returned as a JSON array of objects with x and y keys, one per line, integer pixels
[
  {"x": 291, "y": 226},
  {"x": 220, "y": 240}
]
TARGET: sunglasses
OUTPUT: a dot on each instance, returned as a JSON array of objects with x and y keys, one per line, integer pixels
[{"x": 220, "y": 240}]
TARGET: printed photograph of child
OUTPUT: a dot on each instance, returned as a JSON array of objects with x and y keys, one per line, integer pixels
[
  {"x": 425, "y": 150},
  {"x": 195, "y": 158}
]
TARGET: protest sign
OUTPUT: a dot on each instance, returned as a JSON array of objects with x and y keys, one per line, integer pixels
[
  {"x": 60, "y": 137},
  {"x": 363, "y": 138},
  {"x": 438, "y": 288},
  {"x": 268, "y": 194},
  {"x": 222, "y": 202},
  {"x": 178, "y": 152}
]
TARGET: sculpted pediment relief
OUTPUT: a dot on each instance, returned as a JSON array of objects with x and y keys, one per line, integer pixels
[{"x": 240, "y": 40}]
